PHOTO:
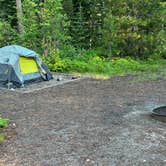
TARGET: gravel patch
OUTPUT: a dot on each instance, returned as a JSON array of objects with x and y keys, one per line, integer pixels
[
  {"x": 59, "y": 79},
  {"x": 88, "y": 122}
]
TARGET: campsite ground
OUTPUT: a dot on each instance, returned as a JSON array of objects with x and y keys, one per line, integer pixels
[{"x": 86, "y": 122}]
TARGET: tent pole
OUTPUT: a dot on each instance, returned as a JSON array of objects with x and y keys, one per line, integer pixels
[{"x": 9, "y": 76}]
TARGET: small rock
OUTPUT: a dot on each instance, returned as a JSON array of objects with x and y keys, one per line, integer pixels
[
  {"x": 59, "y": 79},
  {"x": 73, "y": 77},
  {"x": 9, "y": 137},
  {"x": 93, "y": 162},
  {"x": 87, "y": 160},
  {"x": 13, "y": 125}
]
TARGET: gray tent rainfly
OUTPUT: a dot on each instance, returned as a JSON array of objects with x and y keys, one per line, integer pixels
[{"x": 19, "y": 65}]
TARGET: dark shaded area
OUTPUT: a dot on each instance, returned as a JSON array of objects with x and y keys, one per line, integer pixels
[
  {"x": 160, "y": 111},
  {"x": 159, "y": 114}
]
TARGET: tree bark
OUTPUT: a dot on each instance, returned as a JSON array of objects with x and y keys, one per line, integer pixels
[{"x": 19, "y": 16}]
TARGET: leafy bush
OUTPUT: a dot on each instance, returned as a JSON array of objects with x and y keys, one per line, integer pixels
[{"x": 91, "y": 62}]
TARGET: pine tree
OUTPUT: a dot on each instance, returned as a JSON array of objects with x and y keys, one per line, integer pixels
[
  {"x": 86, "y": 19},
  {"x": 131, "y": 27}
]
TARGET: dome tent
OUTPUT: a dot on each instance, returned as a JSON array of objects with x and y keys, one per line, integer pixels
[{"x": 19, "y": 65}]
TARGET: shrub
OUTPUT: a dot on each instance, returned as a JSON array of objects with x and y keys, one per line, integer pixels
[{"x": 91, "y": 62}]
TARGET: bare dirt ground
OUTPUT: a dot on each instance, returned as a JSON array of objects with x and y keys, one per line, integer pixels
[{"x": 87, "y": 122}]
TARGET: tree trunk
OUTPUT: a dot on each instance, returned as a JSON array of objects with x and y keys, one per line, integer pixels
[{"x": 19, "y": 15}]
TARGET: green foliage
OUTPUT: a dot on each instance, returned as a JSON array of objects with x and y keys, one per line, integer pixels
[
  {"x": 86, "y": 20},
  {"x": 63, "y": 32},
  {"x": 4, "y": 122},
  {"x": 7, "y": 34},
  {"x": 134, "y": 28},
  {"x": 90, "y": 62},
  {"x": 45, "y": 26},
  {"x": 8, "y": 11}
]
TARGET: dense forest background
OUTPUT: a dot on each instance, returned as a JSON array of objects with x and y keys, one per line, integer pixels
[{"x": 88, "y": 35}]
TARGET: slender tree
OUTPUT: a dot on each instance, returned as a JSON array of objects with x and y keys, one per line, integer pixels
[{"x": 19, "y": 15}]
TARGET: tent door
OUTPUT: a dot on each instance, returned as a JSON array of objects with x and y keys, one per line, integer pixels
[{"x": 28, "y": 65}]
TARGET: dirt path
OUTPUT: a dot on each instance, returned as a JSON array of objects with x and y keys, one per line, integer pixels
[{"x": 87, "y": 122}]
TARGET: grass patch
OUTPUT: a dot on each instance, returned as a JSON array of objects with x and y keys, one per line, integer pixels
[
  {"x": 154, "y": 76},
  {"x": 2, "y": 137},
  {"x": 3, "y": 124}
]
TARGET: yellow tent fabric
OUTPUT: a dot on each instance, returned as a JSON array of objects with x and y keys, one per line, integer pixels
[{"x": 28, "y": 65}]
